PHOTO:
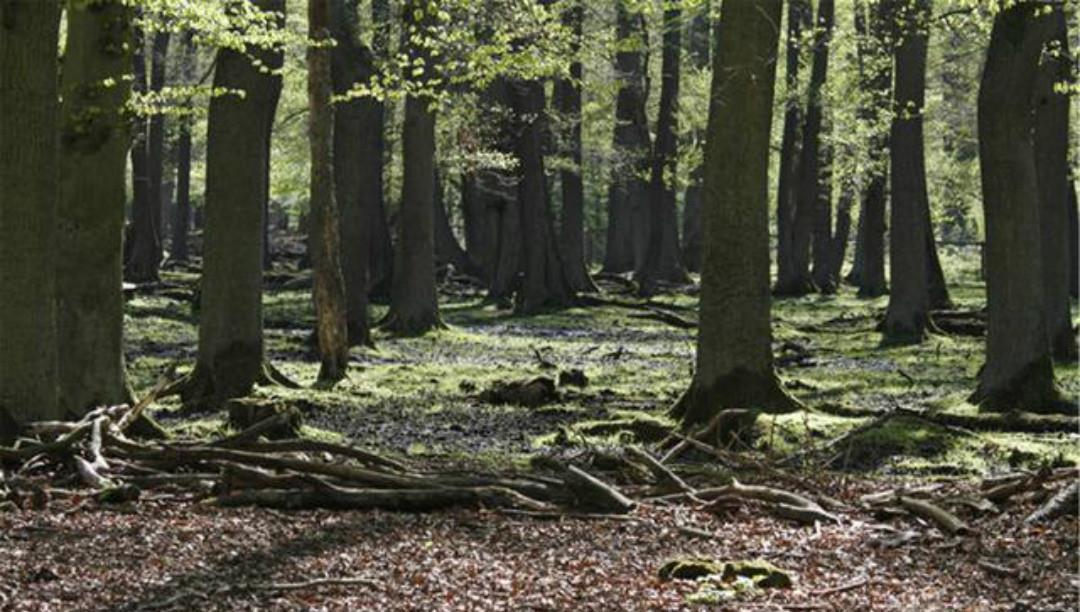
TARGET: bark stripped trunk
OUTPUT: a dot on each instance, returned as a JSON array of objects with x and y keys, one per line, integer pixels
[
  {"x": 231, "y": 357},
  {"x": 414, "y": 307},
  {"x": 94, "y": 142},
  {"x": 734, "y": 348},
  {"x": 627, "y": 195},
  {"x": 661, "y": 263},
  {"x": 907, "y": 317},
  {"x": 29, "y": 122},
  {"x": 568, "y": 104},
  {"x": 789, "y": 282},
  {"x": 1019, "y": 373},
  {"x": 182, "y": 221},
  {"x": 700, "y": 33}
]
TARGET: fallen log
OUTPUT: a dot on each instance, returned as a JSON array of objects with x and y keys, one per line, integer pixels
[{"x": 317, "y": 446}]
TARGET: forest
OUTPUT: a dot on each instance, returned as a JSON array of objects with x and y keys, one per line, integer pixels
[{"x": 539, "y": 305}]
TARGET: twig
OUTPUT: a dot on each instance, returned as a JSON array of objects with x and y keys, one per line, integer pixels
[
  {"x": 850, "y": 586},
  {"x": 312, "y": 584}
]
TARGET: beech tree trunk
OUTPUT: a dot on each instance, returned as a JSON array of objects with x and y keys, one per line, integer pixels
[
  {"x": 628, "y": 193},
  {"x": 357, "y": 164},
  {"x": 155, "y": 154},
  {"x": 497, "y": 203},
  {"x": 661, "y": 262},
  {"x": 789, "y": 281},
  {"x": 734, "y": 348},
  {"x": 1074, "y": 242},
  {"x": 29, "y": 160},
  {"x": 414, "y": 307},
  {"x": 700, "y": 35},
  {"x": 448, "y": 250},
  {"x": 139, "y": 263},
  {"x": 381, "y": 264},
  {"x": 544, "y": 284},
  {"x": 182, "y": 222},
  {"x": 568, "y": 104},
  {"x": 1052, "y": 164},
  {"x": 94, "y": 142},
  {"x": 816, "y": 169},
  {"x": 231, "y": 356},
  {"x": 1019, "y": 372},
  {"x": 907, "y": 317}
]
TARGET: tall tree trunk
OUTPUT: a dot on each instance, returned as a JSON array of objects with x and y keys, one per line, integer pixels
[
  {"x": 448, "y": 250},
  {"x": 155, "y": 154},
  {"x": 357, "y": 164},
  {"x": 544, "y": 284},
  {"x": 628, "y": 193},
  {"x": 1052, "y": 164},
  {"x": 789, "y": 281},
  {"x": 89, "y": 268},
  {"x": 874, "y": 25},
  {"x": 842, "y": 235},
  {"x": 329, "y": 284},
  {"x": 935, "y": 276},
  {"x": 231, "y": 355},
  {"x": 139, "y": 263},
  {"x": 29, "y": 159},
  {"x": 568, "y": 103},
  {"x": 907, "y": 317},
  {"x": 497, "y": 202},
  {"x": 823, "y": 247},
  {"x": 381, "y": 264},
  {"x": 1019, "y": 373},
  {"x": 661, "y": 262},
  {"x": 182, "y": 222},
  {"x": 414, "y": 307},
  {"x": 1074, "y": 242},
  {"x": 734, "y": 347},
  {"x": 700, "y": 34}
]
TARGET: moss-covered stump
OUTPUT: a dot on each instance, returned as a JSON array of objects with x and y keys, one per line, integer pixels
[
  {"x": 762, "y": 574},
  {"x": 248, "y": 411}
]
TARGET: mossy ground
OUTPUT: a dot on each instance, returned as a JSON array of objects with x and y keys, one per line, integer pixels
[{"x": 418, "y": 395}]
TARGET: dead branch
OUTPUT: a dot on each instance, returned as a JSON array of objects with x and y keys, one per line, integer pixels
[
  {"x": 1065, "y": 501},
  {"x": 590, "y": 492},
  {"x": 948, "y": 522},
  {"x": 659, "y": 470}
]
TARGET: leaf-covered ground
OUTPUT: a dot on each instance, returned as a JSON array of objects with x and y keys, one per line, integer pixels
[{"x": 421, "y": 398}]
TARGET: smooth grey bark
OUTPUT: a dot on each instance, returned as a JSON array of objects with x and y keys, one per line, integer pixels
[
  {"x": 29, "y": 159},
  {"x": 734, "y": 346},
  {"x": 94, "y": 141}
]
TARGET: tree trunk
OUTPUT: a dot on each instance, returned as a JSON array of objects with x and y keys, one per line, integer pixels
[
  {"x": 789, "y": 281},
  {"x": 496, "y": 202},
  {"x": 935, "y": 276},
  {"x": 448, "y": 250},
  {"x": 155, "y": 153},
  {"x": 734, "y": 349},
  {"x": 544, "y": 284},
  {"x": 29, "y": 122},
  {"x": 381, "y": 264},
  {"x": 824, "y": 244},
  {"x": 842, "y": 235},
  {"x": 139, "y": 263},
  {"x": 182, "y": 221},
  {"x": 628, "y": 193},
  {"x": 414, "y": 307},
  {"x": 907, "y": 317},
  {"x": 568, "y": 104},
  {"x": 661, "y": 262},
  {"x": 1052, "y": 164},
  {"x": 700, "y": 34},
  {"x": 89, "y": 268},
  {"x": 357, "y": 164},
  {"x": 1019, "y": 373},
  {"x": 231, "y": 357},
  {"x": 331, "y": 313},
  {"x": 1074, "y": 242},
  {"x": 876, "y": 81}
]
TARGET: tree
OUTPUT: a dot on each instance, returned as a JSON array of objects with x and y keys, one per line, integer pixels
[
  {"x": 907, "y": 317},
  {"x": 816, "y": 170},
  {"x": 414, "y": 307},
  {"x": 628, "y": 192},
  {"x": 329, "y": 284},
  {"x": 700, "y": 34},
  {"x": 1052, "y": 164},
  {"x": 789, "y": 279},
  {"x": 381, "y": 263},
  {"x": 1019, "y": 373},
  {"x": 448, "y": 250},
  {"x": 29, "y": 122},
  {"x": 94, "y": 143},
  {"x": 182, "y": 222},
  {"x": 231, "y": 355},
  {"x": 568, "y": 103},
  {"x": 734, "y": 346},
  {"x": 661, "y": 262}
]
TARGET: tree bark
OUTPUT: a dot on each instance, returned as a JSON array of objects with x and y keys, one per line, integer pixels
[
  {"x": 139, "y": 263},
  {"x": 182, "y": 223},
  {"x": 700, "y": 35},
  {"x": 661, "y": 262},
  {"x": 381, "y": 265},
  {"x": 29, "y": 159},
  {"x": 816, "y": 186},
  {"x": 1052, "y": 164},
  {"x": 789, "y": 281},
  {"x": 907, "y": 317},
  {"x": 94, "y": 141},
  {"x": 331, "y": 312},
  {"x": 155, "y": 153},
  {"x": 627, "y": 195},
  {"x": 568, "y": 104},
  {"x": 1019, "y": 371},
  {"x": 357, "y": 164},
  {"x": 734, "y": 348},
  {"x": 414, "y": 307},
  {"x": 231, "y": 356},
  {"x": 1074, "y": 242},
  {"x": 448, "y": 250}
]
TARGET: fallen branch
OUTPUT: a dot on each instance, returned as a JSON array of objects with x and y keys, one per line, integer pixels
[
  {"x": 948, "y": 522},
  {"x": 1065, "y": 501},
  {"x": 311, "y": 584},
  {"x": 659, "y": 470}
]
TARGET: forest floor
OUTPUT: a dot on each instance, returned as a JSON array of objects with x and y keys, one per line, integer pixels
[{"x": 423, "y": 399}]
